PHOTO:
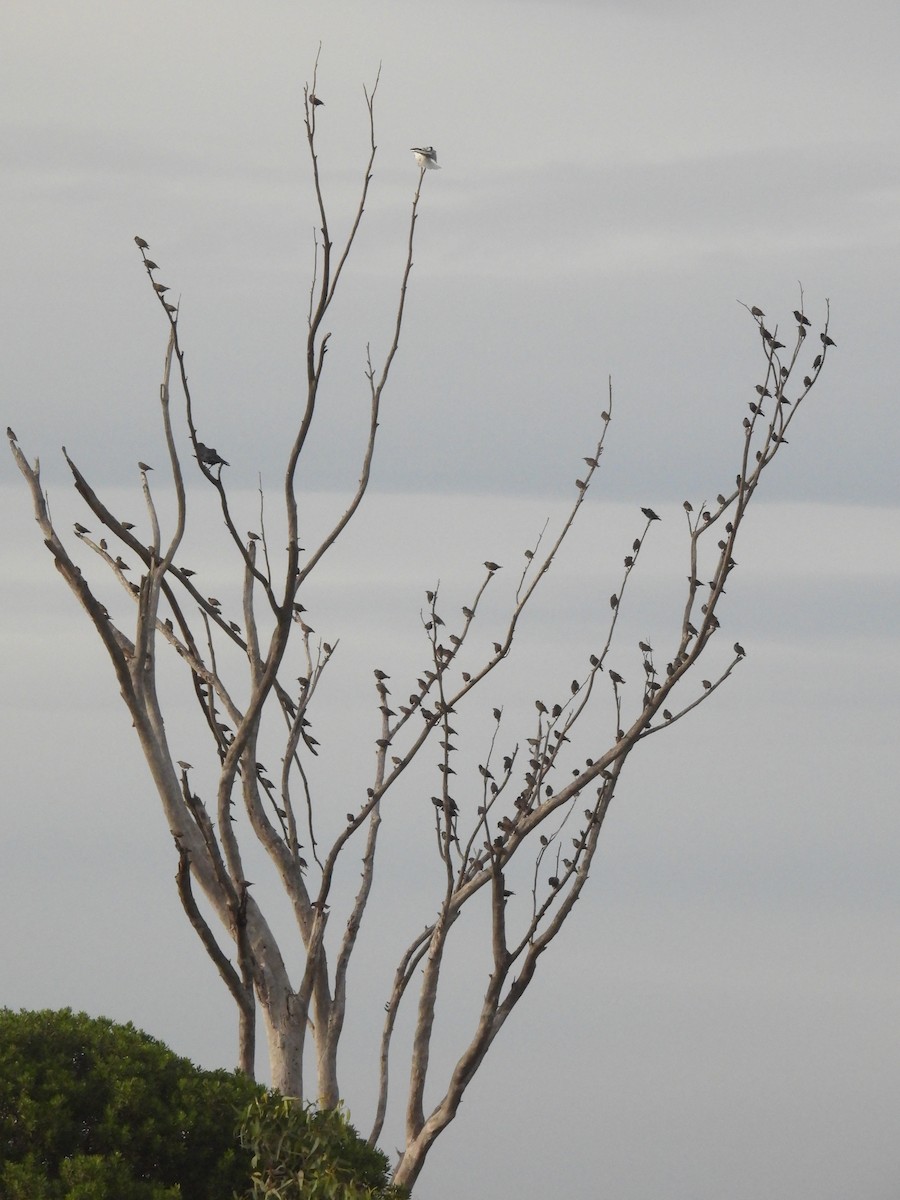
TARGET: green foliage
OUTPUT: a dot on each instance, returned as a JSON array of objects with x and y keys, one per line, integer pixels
[
  {"x": 300, "y": 1153},
  {"x": 90, "y": 1110}
]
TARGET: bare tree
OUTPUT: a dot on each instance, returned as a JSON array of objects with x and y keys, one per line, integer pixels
[{"x": 539, "y": 803}]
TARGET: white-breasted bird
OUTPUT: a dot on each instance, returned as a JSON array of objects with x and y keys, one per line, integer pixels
[{"x": 426, "y": 157}]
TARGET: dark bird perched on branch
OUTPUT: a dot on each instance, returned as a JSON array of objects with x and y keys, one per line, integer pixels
[
  {"x": 650, "y": 514},
  {"x": 210, "y": 457}
]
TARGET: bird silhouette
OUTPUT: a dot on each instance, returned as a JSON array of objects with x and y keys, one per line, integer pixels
[{"x": 210, "y": 457}]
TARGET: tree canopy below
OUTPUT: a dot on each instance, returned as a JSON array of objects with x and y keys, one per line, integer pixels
[{"x": 90, "y": 1109}]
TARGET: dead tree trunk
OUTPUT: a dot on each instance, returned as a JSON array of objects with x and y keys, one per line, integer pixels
[{"x": 535, "y": 806}]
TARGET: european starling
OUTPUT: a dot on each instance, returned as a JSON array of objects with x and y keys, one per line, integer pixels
[{"x": 210, "y": 457}]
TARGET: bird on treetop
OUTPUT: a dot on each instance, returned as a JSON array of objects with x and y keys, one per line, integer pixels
[{"x": 426, "y": 157}]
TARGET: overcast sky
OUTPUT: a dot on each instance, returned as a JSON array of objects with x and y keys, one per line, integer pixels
[{"x": 720, "y": 1017}]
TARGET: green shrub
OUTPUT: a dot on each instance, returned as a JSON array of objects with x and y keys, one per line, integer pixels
[
  {"x": 91, "y": 1110},
  {"x": 300, "y": 1153}
]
